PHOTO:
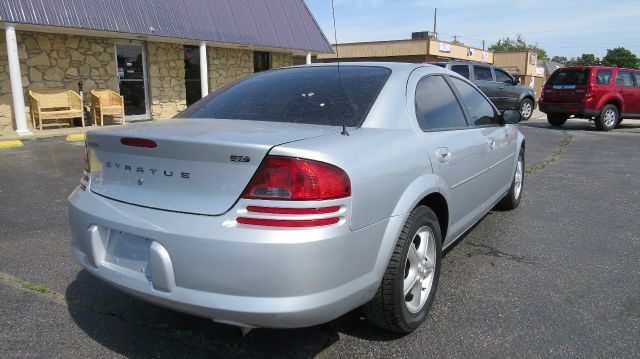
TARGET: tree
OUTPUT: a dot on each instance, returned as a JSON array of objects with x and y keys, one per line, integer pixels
[
  {"x": 560, "y": 59},
  {"x": 584, "y": 60},
  {"x": 621, "y": 57},
  {"x": 517, "y": 44}
]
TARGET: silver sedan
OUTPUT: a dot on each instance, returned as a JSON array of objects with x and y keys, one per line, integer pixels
[{"x": 296, "y": 195}]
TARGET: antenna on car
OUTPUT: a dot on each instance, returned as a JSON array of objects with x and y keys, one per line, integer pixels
[{"x": 335, "y": 36}]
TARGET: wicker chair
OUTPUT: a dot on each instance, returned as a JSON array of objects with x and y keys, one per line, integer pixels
[
  {"x": 106, "y": 103},
  {"x": 55, "y": 105}
]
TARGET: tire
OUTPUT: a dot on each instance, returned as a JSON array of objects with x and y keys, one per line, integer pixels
[
  {"x": 619, "y": 122},
  {"x": 389, "y": 308},
  {"x": 557, "y": 119},
  {"x": 512, "y": 199},
  {"x": 526, "y": 109},
  {"x": 608, "y": 118}
]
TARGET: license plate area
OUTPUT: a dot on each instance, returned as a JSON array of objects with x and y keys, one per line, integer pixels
[{"x": 128, "y": 251}]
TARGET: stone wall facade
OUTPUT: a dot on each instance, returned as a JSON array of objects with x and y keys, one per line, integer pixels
[
  {"x": 59, "y": 61},
  {"x": 281, "y": 59},
  {"x": 166, "y": 79},
  {"x": 55, "y": 61},
  {"x": 228, "y": 65}
]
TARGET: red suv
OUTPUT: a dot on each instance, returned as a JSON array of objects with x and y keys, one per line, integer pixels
[{"x": 605, "y": 95}]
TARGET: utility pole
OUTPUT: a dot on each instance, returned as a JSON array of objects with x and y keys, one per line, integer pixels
[
  {"x": 435, "y": 22},
  {"x": 482, "y": 44},
  {"x": 455, "y": 39}
]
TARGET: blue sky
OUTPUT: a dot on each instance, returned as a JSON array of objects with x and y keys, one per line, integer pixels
[{"x": 561, "y": 27}]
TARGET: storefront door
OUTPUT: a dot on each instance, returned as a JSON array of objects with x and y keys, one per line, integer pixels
[
  {"x": 192, "y": 74},
  {"x": 132, "y": 76}
]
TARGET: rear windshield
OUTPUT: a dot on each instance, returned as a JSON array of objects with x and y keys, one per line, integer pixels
[
  {"x": 311, "y": 95},
  {"x": 570, "y": 77}
]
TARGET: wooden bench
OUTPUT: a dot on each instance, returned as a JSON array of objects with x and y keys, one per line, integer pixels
[
  {"x": 106, "y": 103},
  {"x": 55, "y": 105}
]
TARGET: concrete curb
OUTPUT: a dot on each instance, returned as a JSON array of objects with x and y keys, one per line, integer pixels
[
  {"x": 75, "y": 137},
  {"x": 11, "y": 144},
  {"x": 36, "y": 135}
]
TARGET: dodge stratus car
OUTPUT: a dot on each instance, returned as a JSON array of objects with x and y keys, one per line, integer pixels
[{"x": 297, "y": 195}]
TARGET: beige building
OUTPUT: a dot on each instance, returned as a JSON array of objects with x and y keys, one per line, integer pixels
[
  {"x": 525, "y": 65},
  {"x": 413, "y": 50},
  {"x": 160, "y": 59},
  {"x": 522, "y": 64}
]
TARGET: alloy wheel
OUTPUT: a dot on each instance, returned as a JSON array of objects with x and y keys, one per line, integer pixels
[
  {"x": 609, "y": 118},
  {"x": 525, "y": 109},
  {"x": 517, "y": 188},
  {"x": 419, "y": 269}
]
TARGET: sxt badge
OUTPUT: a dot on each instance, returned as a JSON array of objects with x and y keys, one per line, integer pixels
[{"x": 240, "y": 158}]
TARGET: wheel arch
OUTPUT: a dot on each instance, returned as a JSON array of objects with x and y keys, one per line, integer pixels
[
  {"x": 614, "y": 102},
  {"x": 617, "y": 102},
  {"x": 526, "y": 96},
  {"x": 438, "y": 204}
]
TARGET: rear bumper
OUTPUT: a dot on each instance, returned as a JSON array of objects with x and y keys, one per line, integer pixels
[
  {"x": 212, "y": 267},
  {"x": 575, "y": 109}
]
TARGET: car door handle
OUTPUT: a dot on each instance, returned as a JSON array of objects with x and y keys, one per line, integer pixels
[
  {"x": 443, "y": 154},
  {"x": 491, "y": 142},
  {"x": 501, "y": 87}
]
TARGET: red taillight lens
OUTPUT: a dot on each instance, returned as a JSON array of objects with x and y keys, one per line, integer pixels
[
  {"x": 288, "y": 222},
  {"x": 297, "y": 179},
  {"x": 87, "y": 169},
  {"x": 87, "y": 165},
  {"x": 138, "y": 142},
  {"x": 588, "y": 93},
  {"x": 281, "y": 210}
]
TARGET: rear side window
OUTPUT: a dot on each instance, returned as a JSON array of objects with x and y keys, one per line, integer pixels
[
  {"x": 313, "y": 95},
  {"x": 479, "y": 108},
  {"x": 502, "y": 76},
  {"x": 625, "y": 78},
  {"x": 570, "y": 77},
  {"x": 637, "y": 76},
  {"x": 462, "y": 70},
  {"x": 482, "y": 73},
  {"x": 603, "y": 77},
  {"x": 436, "y": 106}
]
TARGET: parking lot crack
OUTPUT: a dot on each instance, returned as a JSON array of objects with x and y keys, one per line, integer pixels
[
  {"x": 566, "y": 141},
  {"x": 487, "y": 250}
]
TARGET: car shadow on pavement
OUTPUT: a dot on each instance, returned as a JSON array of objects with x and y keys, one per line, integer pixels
[
  {"x": 573, "y": 124},
  {"x": 134, "y": 328}
]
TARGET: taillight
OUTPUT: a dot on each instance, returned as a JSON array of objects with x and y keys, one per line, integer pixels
[
  {"x": 291, "y": 217},
  {"x": 84, "y": 181},
  {"x": 588, "y": 93},
  {"x": 297, "y": 179},
  {"x": 138, "y": 142},
  {"x": 288, "y": 222}
]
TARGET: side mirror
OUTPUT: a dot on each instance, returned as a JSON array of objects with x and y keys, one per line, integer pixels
[
  {"x": 516, "y": 80},
  {"x": 511, "y": 116}
]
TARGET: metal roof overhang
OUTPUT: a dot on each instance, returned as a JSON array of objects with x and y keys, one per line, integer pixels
[{"x": 276, "y": 24}]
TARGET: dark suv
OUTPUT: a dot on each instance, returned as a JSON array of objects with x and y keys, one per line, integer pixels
[
  {"x": 605, "y": 95},
  {"x": 501, "y": 88}
]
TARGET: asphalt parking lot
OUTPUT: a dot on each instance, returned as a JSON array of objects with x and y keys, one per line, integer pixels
[{"x": 558, "y": 277}]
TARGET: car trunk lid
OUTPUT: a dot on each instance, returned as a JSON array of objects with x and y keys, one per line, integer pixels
[{"x": 196, "y": 166}]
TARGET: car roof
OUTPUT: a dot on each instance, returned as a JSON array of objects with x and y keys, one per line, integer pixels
[
  {"x": 396, "y": 67},
  {"x": 596, "y": 67},
  {"x": 463, "y": 62}
]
